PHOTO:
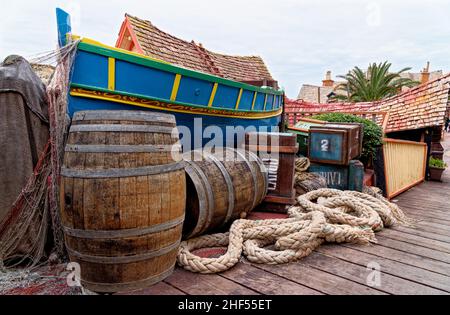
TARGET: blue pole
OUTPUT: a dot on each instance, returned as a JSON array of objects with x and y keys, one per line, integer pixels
[{"x": 64, "y": 26}]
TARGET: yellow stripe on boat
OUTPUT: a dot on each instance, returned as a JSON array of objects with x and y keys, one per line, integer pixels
[
  {"x": 254, "y": 100},
  {"x": 111, "y": 74},
  {"x": 176, "y": 86},
  {"x": 213, "y": 94},
  {"x": 265, "y": 101},
  {"x": 239, "y": 99}
]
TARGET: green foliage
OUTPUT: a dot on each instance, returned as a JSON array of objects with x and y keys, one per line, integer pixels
[
  {"x": 437, "y": 163},
  {"x": 373, "y": 134},
  {"x": 375, "y": 84}
]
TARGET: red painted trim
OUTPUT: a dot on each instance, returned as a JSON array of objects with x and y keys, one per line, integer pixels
[
  {"x": 121, "y": 33},
  {"x": 126, "y": 25}
]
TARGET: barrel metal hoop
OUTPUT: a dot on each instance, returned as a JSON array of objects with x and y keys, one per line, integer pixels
[
  {"x": 254, "y": 177},
  {"x": 101, "y": 235},
  {"x": 122, "y": 128},
  {"x": 122, "y": 259},
  {"x": 128, "y": 286},
  {"x": 122, "y": 172},
  {"x": 123, "y": 115},
  {"x": 78, "y": 148},
  {"x": 265, "y": 172},
  {"x": 205, "y": 212},
  {"x": 230, "y": 187}
]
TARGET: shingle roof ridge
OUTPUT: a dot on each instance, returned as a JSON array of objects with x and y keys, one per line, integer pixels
[
  {"x": 205, "y": 56},
  {"x": 258, "y": 59},
  {"x": 237, "y": 56}
]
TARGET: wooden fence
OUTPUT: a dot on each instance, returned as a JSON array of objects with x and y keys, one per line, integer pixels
[{"x": 404, "y": 165}]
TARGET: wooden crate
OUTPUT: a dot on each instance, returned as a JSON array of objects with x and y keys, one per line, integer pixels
[
  {"x": 301, "y": 129},
  {"x": 335, "y": 143},
  {"x": 278, "y": 152},
  {"x": 341, "y": 177}
]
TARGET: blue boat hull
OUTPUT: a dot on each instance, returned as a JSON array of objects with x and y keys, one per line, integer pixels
[
  {"x": 196, "y": 131},
  {"x": 209, "y": 110}
]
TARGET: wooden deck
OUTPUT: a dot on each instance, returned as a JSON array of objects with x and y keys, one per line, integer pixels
[{"x": 412, "y": 260}]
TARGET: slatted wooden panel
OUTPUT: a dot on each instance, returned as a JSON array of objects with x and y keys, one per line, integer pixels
[{"x": 405, "y": 165}]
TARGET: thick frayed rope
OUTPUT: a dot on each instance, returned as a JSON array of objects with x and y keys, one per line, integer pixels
[{"x": 324, "y": 215}]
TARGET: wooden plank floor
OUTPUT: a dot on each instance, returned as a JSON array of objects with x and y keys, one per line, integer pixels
[{"x": 412, "y": 260}]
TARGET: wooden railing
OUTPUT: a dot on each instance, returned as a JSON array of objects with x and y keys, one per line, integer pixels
[
  {"x": 404, "y": 165},
  {"x": 380, "y": 118}
]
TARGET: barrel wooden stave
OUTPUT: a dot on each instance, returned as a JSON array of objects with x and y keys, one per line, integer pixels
[
  {"x": 220, "y": 191},
  {"x": 252, "y": 170},
  {"x": 123, "y": 204},
  {"x": 216, "y": 186},
  {"x": 108, "y": 272}
]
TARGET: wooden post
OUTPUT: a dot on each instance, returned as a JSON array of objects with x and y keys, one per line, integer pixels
[
  {"x": 356, "y": 176},
  {"x": 428, "y": 138},
  {"x": 378, "y": 167}
]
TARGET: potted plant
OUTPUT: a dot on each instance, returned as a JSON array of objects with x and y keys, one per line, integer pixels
[{"x": 437, "y": 167}]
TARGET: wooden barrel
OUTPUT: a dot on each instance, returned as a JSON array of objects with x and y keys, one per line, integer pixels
[
  {"x": 221, "y": 187},
  {"x": 123, "y": 196}
]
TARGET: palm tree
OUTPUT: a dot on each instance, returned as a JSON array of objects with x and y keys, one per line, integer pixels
[{"x": 375, "y": 84}]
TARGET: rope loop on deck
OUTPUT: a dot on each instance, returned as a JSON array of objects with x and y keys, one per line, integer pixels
[{"x": 324, "y": 215}]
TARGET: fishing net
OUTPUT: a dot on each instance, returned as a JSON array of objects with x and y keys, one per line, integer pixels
[
  {"x": 39, "y": 280},
  {"x": 57, "y": 92},
  {"x": 34, "y": 216}
]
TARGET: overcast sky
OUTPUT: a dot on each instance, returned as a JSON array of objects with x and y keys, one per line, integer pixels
[{"x": 299, "y": 39}]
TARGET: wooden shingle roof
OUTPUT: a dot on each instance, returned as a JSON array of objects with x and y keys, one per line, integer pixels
[{"x": 161, "y": 45}]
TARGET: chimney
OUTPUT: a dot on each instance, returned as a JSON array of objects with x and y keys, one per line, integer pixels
[
  {"x": 328, "y": 81},
  {"x": 425, "y": 74}
]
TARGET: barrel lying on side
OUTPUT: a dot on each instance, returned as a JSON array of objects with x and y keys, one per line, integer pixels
[
  {"x": 221, "y": 187},
  {"x": 123, "y": 194}
]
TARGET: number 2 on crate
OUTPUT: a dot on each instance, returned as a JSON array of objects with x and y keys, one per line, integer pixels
[{"x": 325, "y": 145}]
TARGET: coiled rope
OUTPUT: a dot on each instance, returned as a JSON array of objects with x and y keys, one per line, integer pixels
[{"x": 322, "y": 215}]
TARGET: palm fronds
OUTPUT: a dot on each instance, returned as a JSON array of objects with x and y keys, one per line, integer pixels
[{"x": 375, "y": 84}]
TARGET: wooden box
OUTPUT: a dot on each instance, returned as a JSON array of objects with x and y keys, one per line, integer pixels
[
  {"x": 341, "y": 177},
  {"x": 278, "y": 152},
  {"x": 301, "y": 129},
  {"x": 335, "y": 143}
]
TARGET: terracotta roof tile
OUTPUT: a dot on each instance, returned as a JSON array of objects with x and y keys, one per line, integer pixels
[
  {"x": 162, "y": 45},
  {"x": 419, "y": 107}
]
